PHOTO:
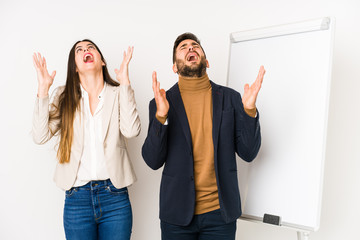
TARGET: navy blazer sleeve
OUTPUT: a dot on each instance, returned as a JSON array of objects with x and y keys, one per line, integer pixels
[
  {"x": 247, "y": 132},
  {"x": 154, "y": 149}
]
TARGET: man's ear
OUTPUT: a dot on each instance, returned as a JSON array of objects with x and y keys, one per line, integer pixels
[
  {"x": 207, "y": 64},
  {"x": 175, "y": 69}
]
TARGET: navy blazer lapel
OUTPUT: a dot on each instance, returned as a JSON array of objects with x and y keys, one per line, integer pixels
[
  {"x": 217, "y": 95},
  {"x": 177, "y": 105}
]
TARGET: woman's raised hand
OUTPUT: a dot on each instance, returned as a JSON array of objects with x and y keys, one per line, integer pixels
[
  {"x": 122, "y": 74},
  {"x": 45, "y": 80}
]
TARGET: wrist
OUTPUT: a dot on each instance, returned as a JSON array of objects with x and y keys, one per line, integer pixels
[
  {"x": 161, "y": 114},
  {"x": 251, "y": 112},
  {"x": 43, "y": 92},
  {"x": 161, "y": 119},
  {"x": 123, "y": 80}
]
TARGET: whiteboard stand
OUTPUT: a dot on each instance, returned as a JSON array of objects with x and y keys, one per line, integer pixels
[{"x": 303, "y": 235}]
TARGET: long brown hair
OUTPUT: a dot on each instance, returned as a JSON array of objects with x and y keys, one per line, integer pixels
[{"x": 69, "y": 103}]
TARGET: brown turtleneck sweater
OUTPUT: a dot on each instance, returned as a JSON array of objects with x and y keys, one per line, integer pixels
[{"x": 197, "y": 98}]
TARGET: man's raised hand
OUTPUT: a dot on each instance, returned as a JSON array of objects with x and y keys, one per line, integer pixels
[
  {"x": 162, "y": 104},
  {"x": 251, "y": 93}
]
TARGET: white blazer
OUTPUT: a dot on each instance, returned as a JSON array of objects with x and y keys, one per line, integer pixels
[{"x": 120, "y": 120}]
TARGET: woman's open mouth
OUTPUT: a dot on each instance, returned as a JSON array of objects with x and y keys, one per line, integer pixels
[{"x": 88, "y": 58}]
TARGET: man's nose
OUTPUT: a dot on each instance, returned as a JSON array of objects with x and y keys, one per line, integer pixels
[{"x": 191, "y": 48}]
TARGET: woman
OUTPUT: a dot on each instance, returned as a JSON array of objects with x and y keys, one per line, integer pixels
[{"x": 93, "y": 114}]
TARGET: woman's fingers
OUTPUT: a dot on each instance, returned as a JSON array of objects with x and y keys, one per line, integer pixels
[
  {"x": 44, "y": 63},
  {"x": 35, "y": 61},
  {"x": 53, "y": 74},
  {"x": 128, "y": 54},
  {"x": 39, "y": 59}
]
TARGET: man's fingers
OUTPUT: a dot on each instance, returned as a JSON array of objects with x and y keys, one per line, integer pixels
[
  {"x": 259, "y": 78},
  {"x": 259, "y": 74},
  {"x": 262, "y": 75},
  {"x": 154, "y": 83},
  {"x": 154, "y": 77},
  {"x": 158, "y": 88},
  {"x": 246, "y": 87},
  {"x": 162, "y": 92},
  {"x": 262, "y": 72}
]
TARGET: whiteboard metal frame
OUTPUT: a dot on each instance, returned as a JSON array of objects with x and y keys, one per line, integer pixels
[{"x": 281, "y": 30}]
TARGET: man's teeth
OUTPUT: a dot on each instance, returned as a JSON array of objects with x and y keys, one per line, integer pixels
[{"x": 192, "y": 57}]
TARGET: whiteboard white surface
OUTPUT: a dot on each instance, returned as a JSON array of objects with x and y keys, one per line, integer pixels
[{"x": 286, "y": 177}]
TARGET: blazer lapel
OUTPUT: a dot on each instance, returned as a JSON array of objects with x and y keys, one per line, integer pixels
[
  {"x": 217, "y": 96},
  {"x": 78, "y": 127},
  {"x": 109, "y": 98},
  {"x": 177, "y": 105}
]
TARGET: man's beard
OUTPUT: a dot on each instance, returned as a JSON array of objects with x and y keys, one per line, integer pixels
[{"x": 191, "y": 71}]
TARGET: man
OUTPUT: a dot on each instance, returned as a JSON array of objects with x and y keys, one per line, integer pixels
[{"x": 195, "y": 128}]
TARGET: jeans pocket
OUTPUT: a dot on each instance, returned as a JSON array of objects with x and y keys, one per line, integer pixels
[
  {"x": 116, "y": 191},
  {"x": 70, "y": 192}
]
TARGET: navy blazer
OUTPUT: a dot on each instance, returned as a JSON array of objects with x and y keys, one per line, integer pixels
[{"x": 233, "y": 131}]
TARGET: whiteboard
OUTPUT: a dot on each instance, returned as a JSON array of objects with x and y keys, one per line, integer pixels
[{"x": 286, "y": 177}]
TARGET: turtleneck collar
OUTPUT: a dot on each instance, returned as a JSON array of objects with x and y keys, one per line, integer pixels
[{"x": 189, "y": 84}]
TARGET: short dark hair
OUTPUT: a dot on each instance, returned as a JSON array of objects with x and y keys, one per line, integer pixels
[{"x": 182, "y": 37}]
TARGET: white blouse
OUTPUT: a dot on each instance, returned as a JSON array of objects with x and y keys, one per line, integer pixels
[{"x": 92, "y": 162}]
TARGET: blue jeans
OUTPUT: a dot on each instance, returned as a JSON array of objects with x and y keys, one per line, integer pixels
[
  {"x": 97, "y": 210},
  {"x": 207, "y": 226}
]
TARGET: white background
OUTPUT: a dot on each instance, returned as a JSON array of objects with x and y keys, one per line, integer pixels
[{"x": 31, "y": 205}]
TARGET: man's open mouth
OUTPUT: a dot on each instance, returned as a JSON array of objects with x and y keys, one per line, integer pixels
[{"x": 192, "y": 57}]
